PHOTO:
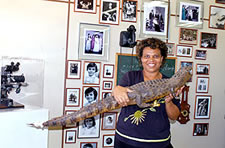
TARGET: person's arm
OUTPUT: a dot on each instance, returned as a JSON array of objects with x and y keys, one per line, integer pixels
[{"x": 120, "y": 94}]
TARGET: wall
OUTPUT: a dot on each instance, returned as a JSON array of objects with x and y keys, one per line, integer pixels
[{"x": 38, "y": 29}]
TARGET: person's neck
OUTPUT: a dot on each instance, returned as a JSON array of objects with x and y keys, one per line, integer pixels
[{"x": 151, "y": 76}]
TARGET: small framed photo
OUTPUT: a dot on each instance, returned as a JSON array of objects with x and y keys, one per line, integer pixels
[
  {"x": 107, "y": 85},
  {"x": 93, "y": 42},
  {"x": 208, "y": 40},
  {"x": 202, "y": 107},
  {"x": 109, "y": 12},
  {"x": 216, "y": 17},
  {"x": 220, "y": 1},
  {"x": 86, "y": 6},
  {"x": 106, "y": 94},
  {"x": 186, "y": 63},
  {"x": 108, "y": 71},
  {"x": 91, "y": 73},
  {"x": 108, "y": 140},
  {"x": 154, "y": 18},
  {"x": 90, "y": 94},
  {"x": 129, "y": 11},
  {"x": 184, "y": 51},
  {"x": 202, "y": 85},
  {"x": 200, "y": 54},
  {"x": 72, "y": 97},
  {"x": 188, "y": 36},
  {"x": 88, "y": 145},
  {"x": 202, "y": 69},
  {"x": 73, "y": 69},
  {"x": 70, "y": 136},
  {"x": 200, "y": 129},
  {"x": 109, "y": 120},
  {"x": 190, "y": 14},
  {"x": 171, "y": 49},
  {"x": 89, "y": 127}
]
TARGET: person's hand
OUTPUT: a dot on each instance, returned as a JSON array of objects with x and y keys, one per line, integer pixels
[
  {"x": 169, "y": 98},
  {"x": 120, "y": 94}
]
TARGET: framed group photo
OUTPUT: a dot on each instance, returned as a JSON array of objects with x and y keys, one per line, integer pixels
[
  {"x": 88, "y": 145},
  {"x": 109, "y": 120},
  {"x": 190, "y": 13},
  {"x": 107, "y": 85},
  {"x": 109, "y": 12},
  {"x": 73, "y": 69},
  {"x": 202, "y": 85},
  {"x": 87, "y": 6},
  {"x": 154, "y": 18},
  {"x": 171, "y": 49},
  {"x": 72, "y": 97},
  {"x": 108, "y": 71},
  {"x": 91, "y": 73},
  {"x": 184, "y": 51},
  {"x": 200, "y": 54},
  {"x": 202, "y": 107},
  {"x": 108, "y": 140},
  {"x": 202, "y": 69},
  {"x": 208, "y": 40},
  {"x": 93, "y": 41},
  {"x": 200, "y": 129},
  {"x": 188, "y": 36},
  {"x": 216, "y": 17},
  {"x": 90, "y": 95},
  {"x": 129, "y": 11}
]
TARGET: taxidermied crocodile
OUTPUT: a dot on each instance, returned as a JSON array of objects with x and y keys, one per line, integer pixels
[{"x": 141, "y": 94}]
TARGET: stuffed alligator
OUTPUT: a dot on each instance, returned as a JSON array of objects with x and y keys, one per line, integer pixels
[{"x": 141, "y": 94}]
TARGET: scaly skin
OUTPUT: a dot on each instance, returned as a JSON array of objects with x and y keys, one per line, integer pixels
[{"x": 141, "y": 93}]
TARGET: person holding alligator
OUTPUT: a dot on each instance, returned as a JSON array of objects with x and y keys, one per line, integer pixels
[{"x": 147, "y": 127}]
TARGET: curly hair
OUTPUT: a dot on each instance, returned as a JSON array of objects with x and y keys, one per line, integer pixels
[{"x": 153, "y": 43}]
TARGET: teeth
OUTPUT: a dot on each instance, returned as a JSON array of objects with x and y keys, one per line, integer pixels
[{"x": 151, "y": 65}]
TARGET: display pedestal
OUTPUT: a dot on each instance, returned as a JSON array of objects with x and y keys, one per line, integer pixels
[{"x": 14, "y": 131}]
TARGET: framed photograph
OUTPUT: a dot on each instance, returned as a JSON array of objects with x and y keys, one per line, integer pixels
[
  {"x": 70, "y": 136},
  {"x": 186, "y": 63},
  {"x": 220, "y": 1},
  {"x": 87, "y": 6},
  {"x": 72, "y": 97},
  {"x": 216, "y": 17},
  {"x": 73, "y": 69},
  {"x": 184, "y": 51},
  {"x": 202, "y": 85},
  {"x": 200, "y": 54},
  {"x": 202, "y": 107},
  {"x": 129, "y": 11},
  {"x": 109, "y": 12},
  {"x": 202, "y": 69},
  {"x": 108, "y": 71},
  {"x": 90, "y": 94},
  {"x": 154, "y": 18},
  {"x": 208, "y": 40},
  {"x": 88, "y": 145},
  {"x": 171, "y": 49},
  {"x": 188, "y": 36},
  {"x": 190, "y": 14},
  {"x": 109, "y": 120},
  {"x": 91, "y": 73},
  {"x": 93, "y": 42},
  {"x": 108, "y": 140},
  {"x": 200, "y": 129},
  {"x": 107, "y": 85},
  {"x": 106, "y": 94},
  {"x": 89, "y": 127}
]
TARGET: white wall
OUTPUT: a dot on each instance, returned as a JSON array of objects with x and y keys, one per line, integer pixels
[{"x": 37, "y": 29}]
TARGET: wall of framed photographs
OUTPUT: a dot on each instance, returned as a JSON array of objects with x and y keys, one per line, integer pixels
[{"x": 75, "y": 67}]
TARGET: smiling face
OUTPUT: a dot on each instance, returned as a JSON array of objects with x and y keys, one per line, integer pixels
[
  {"x": 90, "y": 97},
  {"x": 151, "y": 60},
  {"x": 91, "y": 71}
]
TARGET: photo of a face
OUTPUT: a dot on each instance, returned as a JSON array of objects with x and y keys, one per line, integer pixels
[
  {"x": 89, "y": 145},
  {"x": 91, "y": 95},
  {"x": 91, "y": 72}
]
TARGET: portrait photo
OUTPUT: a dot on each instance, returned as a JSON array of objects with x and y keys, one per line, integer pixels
[
  {"x": 89, "y": 127},
  {"x": 73, "y": 69},
  {"x": 88, "y": 145},
  {"x": 202, "y": 107},
  {"x": 90, "y": 94},
  {"x": 217, "y": 17},
  {"x": 91, "y": 72},
  {"x": 200, "y": 129},
  {"x": 155, "y": 18},
  {"x": 108, "y": 140},
  {"x": 202, "y": 69},
  {"x": 106, "y": 94},
  {"x": 188, "y": 36},
  {"x": 200, "y": 54},
  {"x": 72, "y": 97},
  {"x": 129, "y": 11},
  {"x": 171, "y": 49},
  {"x": 109, "y": 12},
  {"x": 70, "y": 136},
  {"x": 108, "y": 71},
  {"x": 87, "y": 6},
  {"x": 202, "y": 85},
  {"x": 107, "y": 85},
  {"x": 109, "y": 120},
  {"x": 184, "y": 51},
  {"x": 208, "y": 40}
]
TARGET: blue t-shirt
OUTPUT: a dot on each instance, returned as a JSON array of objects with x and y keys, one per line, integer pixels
[{"x": 143, "y": 127}]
